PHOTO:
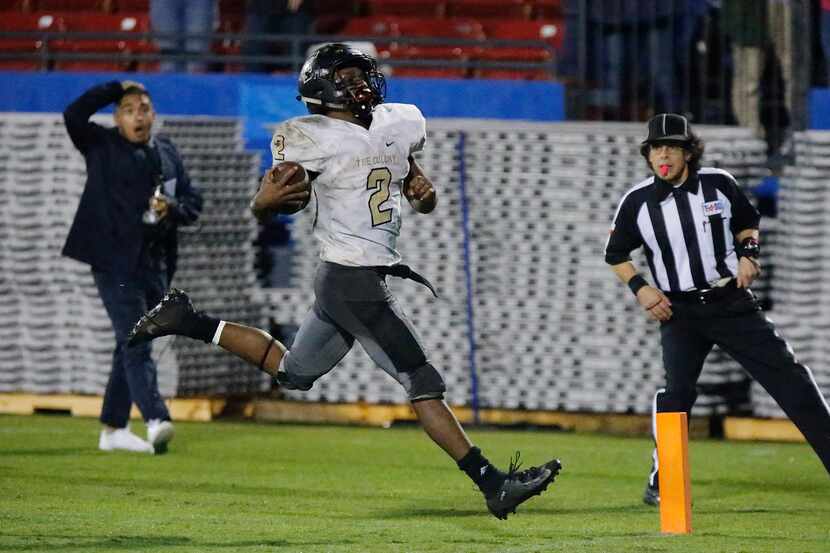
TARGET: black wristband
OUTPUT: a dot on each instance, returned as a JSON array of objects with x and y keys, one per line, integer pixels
[
  {"x": 636, "y": 282},
  {"x": 749, "y": 247}
]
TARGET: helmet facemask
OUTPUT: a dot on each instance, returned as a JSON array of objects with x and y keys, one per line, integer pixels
[{"x": 361, "y": 88}]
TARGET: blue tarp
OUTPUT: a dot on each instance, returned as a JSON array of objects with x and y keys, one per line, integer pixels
[
  {"x": 273, "y": 97},
  {"x": 264, "y": 99},
  {"x": 819, "y": 108}
]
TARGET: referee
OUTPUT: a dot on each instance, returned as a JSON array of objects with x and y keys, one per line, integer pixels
[{"x": 700, "y": 235}]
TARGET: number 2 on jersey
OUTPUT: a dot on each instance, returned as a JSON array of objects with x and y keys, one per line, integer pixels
[
  {"x": 279, "y": 147},
  {"x": 379, "y": 180}
]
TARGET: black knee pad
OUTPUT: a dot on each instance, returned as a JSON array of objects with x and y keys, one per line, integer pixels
[
  {"x": 676, "y": 400},
  {"x": 425, "y": 383}
]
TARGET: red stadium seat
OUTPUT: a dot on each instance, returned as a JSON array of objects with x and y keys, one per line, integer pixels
[
  {"x": 549, "y": 31},
  {"x": 91, "y": 65},
  {"x": 514, "y": 55},
  {"x": 75, "y": 5},
  {"x": 417, "y": 8},
  {"x": 20, "y": 65},
  {"x": 488, "y": 8},
  {"x": 433, "y": 71},
  {"x": 453, "y": 27},
  {"x": 514, "y": 74},
  {"x": 377, "y": 26},
  {"x": 456, "y": 27},
  {"x": 394, "y": 27},
  {"x": 104, "y": 23},
  {"x": 372, "y": 26},
  {"x": 19, "y": 21},
  {"x": 520, "y": 29},
  {"x": 430, "y": 72}
]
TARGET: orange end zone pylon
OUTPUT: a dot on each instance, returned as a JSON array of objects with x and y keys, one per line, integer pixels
[{"x": 673, "y": 463}]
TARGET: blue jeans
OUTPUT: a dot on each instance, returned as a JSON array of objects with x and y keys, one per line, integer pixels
[
  {"x": 183, "y": 16},
  {"x": 133, "y": 377},
  {"x": 637, "y": 58}
]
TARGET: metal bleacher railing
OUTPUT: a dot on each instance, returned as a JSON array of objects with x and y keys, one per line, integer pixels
[{"x": 296, "y": 46}]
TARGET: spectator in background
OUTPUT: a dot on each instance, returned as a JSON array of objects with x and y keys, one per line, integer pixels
[
  {"x": 184, "y": 17},
  {"x": 761, "y": 37},
  {"x": 825, "y": 35},
  {"x": 136, "y": 195},
  {"x": 278, "y": 17},
  {"x": 692, "y": 20},
  {"x": 636, "y": 52},
  {"x": 274, "y": 247},
  {"x": 745, "y": 23},
  {"x": 780, "y": 28}
]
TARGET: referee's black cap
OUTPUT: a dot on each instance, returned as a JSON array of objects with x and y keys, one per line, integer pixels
[{"x": 668, "y": 126}]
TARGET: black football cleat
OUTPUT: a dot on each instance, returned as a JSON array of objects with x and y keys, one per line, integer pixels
[
  {"x": 173, "y": 315},
  {"x": 651, "y": 495},
  {"x": 519, "y": 486}
]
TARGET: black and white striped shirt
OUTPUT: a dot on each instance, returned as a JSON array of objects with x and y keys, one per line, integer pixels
[{"x": 687, "y": 231}]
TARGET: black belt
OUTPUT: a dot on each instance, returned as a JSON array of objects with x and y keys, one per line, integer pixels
[
  {"x": 705, "y": 296},
  {"x": 405, "y": 271}
]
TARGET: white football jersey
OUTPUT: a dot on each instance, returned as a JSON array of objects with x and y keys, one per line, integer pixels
[{"x": 361, "y": 172}]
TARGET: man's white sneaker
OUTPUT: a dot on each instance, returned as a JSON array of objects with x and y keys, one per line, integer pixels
[
  {"x": 159, "y": 434},
  {"x": 123, "y": 439}
]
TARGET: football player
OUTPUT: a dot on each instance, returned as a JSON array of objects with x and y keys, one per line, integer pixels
[{"x": 358, "y": 151}]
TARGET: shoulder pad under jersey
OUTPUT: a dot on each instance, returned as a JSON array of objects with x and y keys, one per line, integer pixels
[
  {"x": 409, "y": 121},
  {"x": 302, "y": 140}
]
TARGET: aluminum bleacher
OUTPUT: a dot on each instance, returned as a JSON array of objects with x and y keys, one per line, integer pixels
[
  {"x": 56, "y": 336},
  {"x": 799, "y": 286},
  {"x": 529, "y": 316},
  {"x": 547, "y": 324}
]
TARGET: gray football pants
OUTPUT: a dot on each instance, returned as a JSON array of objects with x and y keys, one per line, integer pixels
[{"x": 354, "y": 303}]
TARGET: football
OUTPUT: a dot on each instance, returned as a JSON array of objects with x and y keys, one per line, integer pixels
[{"x": 301, "y": 176}]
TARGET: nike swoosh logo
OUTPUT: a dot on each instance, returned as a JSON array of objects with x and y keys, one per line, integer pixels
[{"x": 389, "y": 143}]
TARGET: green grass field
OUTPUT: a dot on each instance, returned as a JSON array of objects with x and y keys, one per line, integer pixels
[{"x": 246, "y": 487}]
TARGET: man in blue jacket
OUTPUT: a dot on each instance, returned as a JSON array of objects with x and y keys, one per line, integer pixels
[{"x": 137, "y": 193}]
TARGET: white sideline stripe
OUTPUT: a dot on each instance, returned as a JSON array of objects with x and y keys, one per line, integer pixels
[{"x": 218, "y": 333}]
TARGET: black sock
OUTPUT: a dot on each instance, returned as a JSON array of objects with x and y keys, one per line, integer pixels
[
  {"x": 203, "y": 327},
  {"x": 487, "y": 477}
]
